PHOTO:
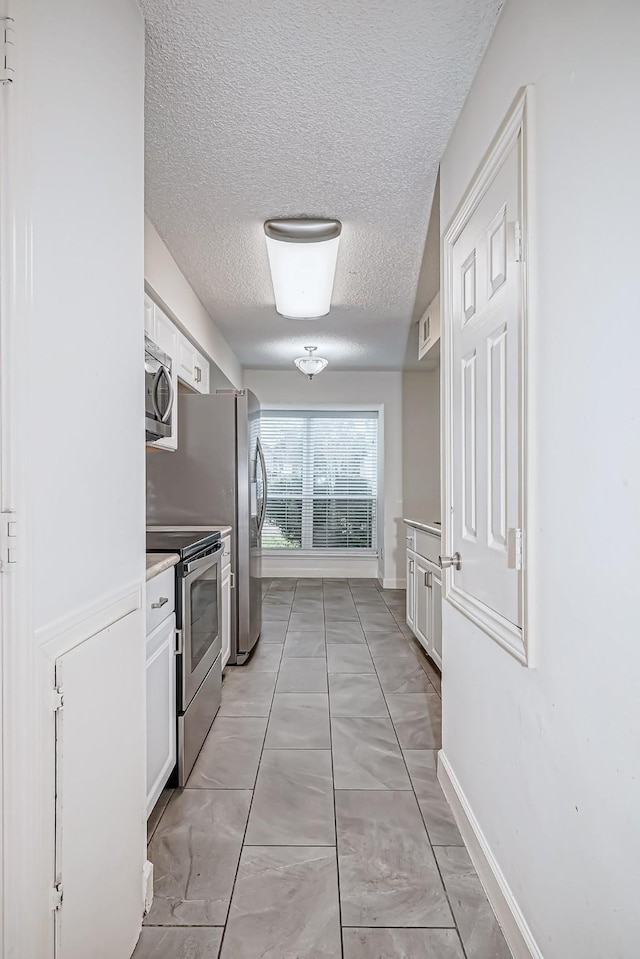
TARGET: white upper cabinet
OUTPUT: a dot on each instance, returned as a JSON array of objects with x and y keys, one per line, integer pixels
[
  {"x": 429, "y": 327},
  {"x": 166, "y": 335},
  {"x": 188, "y": 364},
  {"x": 193, "y": 367},
  {"x": 162, "y": 331},
  {"x": 149, "y": 317}
]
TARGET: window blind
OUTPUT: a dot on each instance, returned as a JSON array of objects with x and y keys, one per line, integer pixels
[{"x": 322, "y": 470}]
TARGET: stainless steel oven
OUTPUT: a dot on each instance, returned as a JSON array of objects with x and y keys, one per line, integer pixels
[
  {"x": 158, "y": 391},
  {"x": 199, "y": 629},
  {"x": 199, "y": 604}
]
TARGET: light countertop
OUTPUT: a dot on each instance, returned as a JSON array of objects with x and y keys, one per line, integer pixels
[
  {"x": 223, "y": 530},
  {"x": 427, "y": 527},
  {"x": 158, "y": 562}
]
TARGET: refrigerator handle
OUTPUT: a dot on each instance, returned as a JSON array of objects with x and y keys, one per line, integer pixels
[{"x": 264, "y": 486}]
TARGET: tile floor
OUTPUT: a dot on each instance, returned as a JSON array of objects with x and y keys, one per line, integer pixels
[{"x": 313, "y": 824}]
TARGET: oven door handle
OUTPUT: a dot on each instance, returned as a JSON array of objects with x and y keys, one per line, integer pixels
[{"x": 205, "y": 561}]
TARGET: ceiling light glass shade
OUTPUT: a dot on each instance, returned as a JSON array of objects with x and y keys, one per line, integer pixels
[
  {"x": 311, "y": 365},
  {"x": 302, "y": 257}
]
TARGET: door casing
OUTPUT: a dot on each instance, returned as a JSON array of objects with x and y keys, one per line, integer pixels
[{"x": 517, "y": 125}]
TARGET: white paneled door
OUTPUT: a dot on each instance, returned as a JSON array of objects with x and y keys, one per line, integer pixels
[{"x": 484, "y": 396}]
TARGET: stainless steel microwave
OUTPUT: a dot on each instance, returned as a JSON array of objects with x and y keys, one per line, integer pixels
[{"x": 158, "y": 386}]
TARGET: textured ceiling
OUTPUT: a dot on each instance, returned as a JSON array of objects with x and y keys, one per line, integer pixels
[{"x": 337, "y": 108}]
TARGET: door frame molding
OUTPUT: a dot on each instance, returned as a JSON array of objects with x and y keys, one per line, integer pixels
[
  {"x": 517, "y": 125},
  {"x": 27, "y": 927}
]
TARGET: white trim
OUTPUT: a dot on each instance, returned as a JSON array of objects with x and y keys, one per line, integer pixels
[
  {"x": 332, "y": 554},
  {"x": 517, "y": 124},
  {"x": 26, "y": 927},
  {"x": 59, "y": 637},
  {"x": 147, "y": 886},
  {"x": 323, "y": 407},
  {"x": 503, "y": 902},
  {"x": 389, "y": 583},
  {"x": 314, "y": 565}
]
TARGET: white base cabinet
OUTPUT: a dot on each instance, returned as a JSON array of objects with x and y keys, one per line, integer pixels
[
  {"x": 423, "y": 604},
  {"x": 160, "y": 684},
  {"x": 161, "y": 708},
  {"x": 424, "y": 593},
  {"x": 411, "y": 594}
]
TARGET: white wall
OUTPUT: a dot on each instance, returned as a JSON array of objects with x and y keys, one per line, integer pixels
[
  {"x": 169, "y": 287},
  {"x": 352, "y": 389},
  {"x": 86, "y": 337},
  {"x": 421, "y": 444},
  {"x": 549, "y": 758},
  {"x": 81, "y": 136}
]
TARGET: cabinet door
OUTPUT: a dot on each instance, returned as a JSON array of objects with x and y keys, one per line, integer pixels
[
  {"x": 201, "y": 373},
  {"x": 193, "y": 367},
  {"x": 436, "y": 621},
  {"x": 161, "y": 707},
  {"x": 411, "y": 605},
  {"x": 422, "y": 589},
  {"x": 226, "y": 614},
  {"x": 149, "y": 317},
  {"x": 166, "y": 334},
  {"x": 429, "y": 327},
  {"x": 100, "y": 794},
  {"x": 186, "y": 361}
]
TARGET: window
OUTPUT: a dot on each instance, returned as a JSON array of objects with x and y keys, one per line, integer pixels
[{"x": 322, "y": 470}]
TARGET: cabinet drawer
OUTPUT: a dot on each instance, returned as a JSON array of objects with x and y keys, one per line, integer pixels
[
  {"x": 226, "y": 551},
  {"x": 160, "y": 601},
  {"x": 428, "y": 545},
  {"x": 411, "y": 537}
]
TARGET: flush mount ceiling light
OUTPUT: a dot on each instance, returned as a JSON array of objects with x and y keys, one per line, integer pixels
[
  {"x": 302, "y": 256},
  {"x": 310, "y": 365}
]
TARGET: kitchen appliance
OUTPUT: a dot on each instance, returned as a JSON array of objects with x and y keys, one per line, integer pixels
[
  {"x": 217, "y": 477},
  {"x": 158, "y": 391},
  {"x": 198, "y": 659}
]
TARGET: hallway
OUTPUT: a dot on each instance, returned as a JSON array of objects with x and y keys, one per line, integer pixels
[{"x": 313, "y": 824}]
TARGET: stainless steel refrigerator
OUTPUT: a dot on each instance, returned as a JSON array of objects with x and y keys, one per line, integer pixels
[{"x": 217, "y": 477}]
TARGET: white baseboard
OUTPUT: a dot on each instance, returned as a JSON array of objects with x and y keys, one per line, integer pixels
[
  {"x": 514, "y": 926},
  {"x": 337, "y": 567},
  {"x": 147, "y": 886}
]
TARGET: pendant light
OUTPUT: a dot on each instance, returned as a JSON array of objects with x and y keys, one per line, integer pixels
[
  {"x": 302, "y": 256},
  {"x": 311, "y": 365}
]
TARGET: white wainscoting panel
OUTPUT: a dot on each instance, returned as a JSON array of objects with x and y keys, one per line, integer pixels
[{"x": 100, "y": 786}]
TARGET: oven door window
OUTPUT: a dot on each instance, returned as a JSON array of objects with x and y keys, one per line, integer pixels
[{"x": 201, "y": 630}]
